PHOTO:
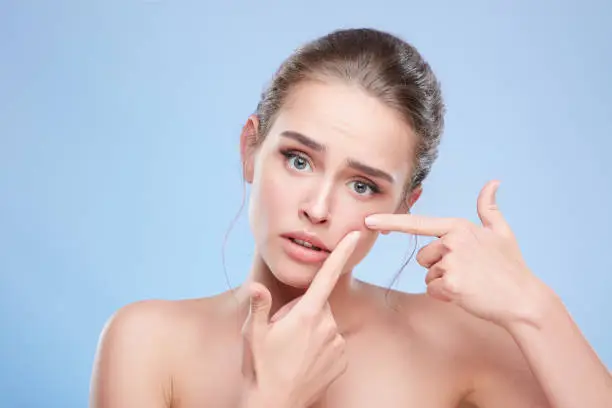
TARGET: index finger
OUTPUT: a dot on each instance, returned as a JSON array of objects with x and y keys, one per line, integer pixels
[
  {"x": 326, "y": 278},
  {"x": 412, "y": 224}
]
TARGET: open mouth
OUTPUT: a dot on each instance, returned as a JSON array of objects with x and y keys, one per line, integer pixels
[
  {"x": 307, "y": 245},
  {"x": 304, "y": 248}
]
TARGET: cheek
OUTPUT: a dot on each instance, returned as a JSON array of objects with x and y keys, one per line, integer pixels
[
  {"x": 350, "y": 216},
  {"x": 350, "y": 213},
  {"x": 272, "y": 198},
  {"x": 353, "y": 219}
]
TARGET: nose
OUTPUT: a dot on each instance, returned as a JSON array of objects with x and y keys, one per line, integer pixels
[{"x": 316, "y": 208}]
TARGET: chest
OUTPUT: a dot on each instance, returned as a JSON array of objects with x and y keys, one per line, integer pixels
[
  {"x": 393, "y": 372},
  {"x": 382, "y": 371}
]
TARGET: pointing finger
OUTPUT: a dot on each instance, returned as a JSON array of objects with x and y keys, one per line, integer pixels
[
  {"x": 412, "y": 224},
  {"x": 325, "y": 280}
]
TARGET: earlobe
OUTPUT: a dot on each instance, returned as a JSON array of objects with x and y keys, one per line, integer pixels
[{"x": 248, "y": 145}]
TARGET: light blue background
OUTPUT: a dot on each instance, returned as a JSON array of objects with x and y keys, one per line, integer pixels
[{"x": 119, "y": 166}]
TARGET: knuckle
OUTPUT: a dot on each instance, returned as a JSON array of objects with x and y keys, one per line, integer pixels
[
  {"x": 462, "y": 225},
  {"x": 329, "y": 329},
  {"x": 447, "y": 261},
  {"x": 451, "y": 285},
  {"x": 449, "y": 241},
  {"x": 340, "y": 342},
  {"x": 433, "y": 272},
  {"x": 436, "y": 291},
  {"x": 339, "y": 345},
  {"x": 333, "y": 325},
  {"x": 441, "y": 267}
]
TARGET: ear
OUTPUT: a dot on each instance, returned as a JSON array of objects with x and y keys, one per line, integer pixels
[
  {"x": 413, "y": 197},
  {"x": 248, "y": 146},
  {"x": 407, "y": 203}
]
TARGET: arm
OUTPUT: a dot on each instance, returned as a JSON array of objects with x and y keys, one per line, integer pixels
[
  {"x": 543, "y": 362},
  {"x": 128, "y": 369},
  {"x": 569, "y": 371},
  {"x": 481, "y": 269}
]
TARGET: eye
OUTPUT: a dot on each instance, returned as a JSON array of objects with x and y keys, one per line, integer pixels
[
  {"x": 364, "y": 189},
  {"x": 297, "y": 161}
]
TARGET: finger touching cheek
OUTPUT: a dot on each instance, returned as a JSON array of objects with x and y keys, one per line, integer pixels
[
  {"x": 366, "y": 241},
  {"x": 353, "y": 219}
]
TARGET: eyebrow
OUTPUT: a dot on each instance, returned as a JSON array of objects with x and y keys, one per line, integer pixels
[
  {"x": 303, "y": 139},
  {"x": 369, "y": 170},
  {"x": 355, "y": 164}
]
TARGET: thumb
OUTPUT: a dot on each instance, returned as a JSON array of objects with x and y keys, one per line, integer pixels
[
  {"x": 488, "y": 211},
  {"x": 261, "y": 303},
  {"x": 259, "y": 312}
]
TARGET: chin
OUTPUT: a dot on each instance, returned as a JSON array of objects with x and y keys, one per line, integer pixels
[{"x": 293, "y": 274}]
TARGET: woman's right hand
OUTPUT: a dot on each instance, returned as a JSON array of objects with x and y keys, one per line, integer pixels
[{"x": 291, "y": 358}]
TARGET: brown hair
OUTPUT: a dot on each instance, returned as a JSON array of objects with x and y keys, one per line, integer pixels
[{"x": 384, "y": 66}]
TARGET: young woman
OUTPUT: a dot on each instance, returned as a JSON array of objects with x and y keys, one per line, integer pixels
[{"x": 337, "y": 152}]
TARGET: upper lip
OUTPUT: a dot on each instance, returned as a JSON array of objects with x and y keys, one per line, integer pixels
[{"x": 308, "y": 237}]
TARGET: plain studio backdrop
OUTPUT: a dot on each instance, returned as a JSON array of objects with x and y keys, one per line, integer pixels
[{"x": 120, "y": 171}]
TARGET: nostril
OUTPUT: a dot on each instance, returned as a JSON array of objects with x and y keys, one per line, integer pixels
[{"x": 316, "y": 218}]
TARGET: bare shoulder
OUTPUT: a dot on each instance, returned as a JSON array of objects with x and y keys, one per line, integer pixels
[
  {"x": 138, "y": 349},
  {"x": 498, "y": 371},
  {"x": 443, "y": 326},
  {"x": 146, "y": 325}
]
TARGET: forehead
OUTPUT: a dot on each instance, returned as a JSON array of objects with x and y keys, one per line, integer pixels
[{"x": 349, "y": 121}]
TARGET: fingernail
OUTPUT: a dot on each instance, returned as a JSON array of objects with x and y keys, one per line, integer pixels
[
  {"x": 352, "y": 238},
  {"x": 354, "y": 235},
  {"x": 495, "y": 192},
  {"x": 371, "y": 221}
]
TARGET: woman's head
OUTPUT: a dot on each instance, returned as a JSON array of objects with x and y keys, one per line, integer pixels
[{"x": 349, "y": 126}]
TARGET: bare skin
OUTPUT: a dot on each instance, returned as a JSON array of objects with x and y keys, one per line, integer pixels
[
  {"x": 410, "y": 350},
  {"x": 486, "y": 334}
]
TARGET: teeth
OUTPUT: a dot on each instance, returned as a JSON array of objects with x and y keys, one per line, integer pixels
[{"x": 305, "y": 244}]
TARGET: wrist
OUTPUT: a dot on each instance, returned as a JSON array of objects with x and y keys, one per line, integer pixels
[{"x": 540, "y": 305}]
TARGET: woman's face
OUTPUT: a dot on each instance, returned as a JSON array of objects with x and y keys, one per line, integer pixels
[{"x": 333, "y": 156}]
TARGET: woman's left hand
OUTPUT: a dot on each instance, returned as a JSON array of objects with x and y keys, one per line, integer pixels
[{"x": 478, "y": 267}]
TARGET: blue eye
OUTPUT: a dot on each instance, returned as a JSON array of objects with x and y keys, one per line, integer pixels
[
  {"x": 298, "y": 161},
  {"x": 363, "y": 188}
]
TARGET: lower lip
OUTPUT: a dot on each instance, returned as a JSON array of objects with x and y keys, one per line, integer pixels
[{"x": 303, "y": 254}]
